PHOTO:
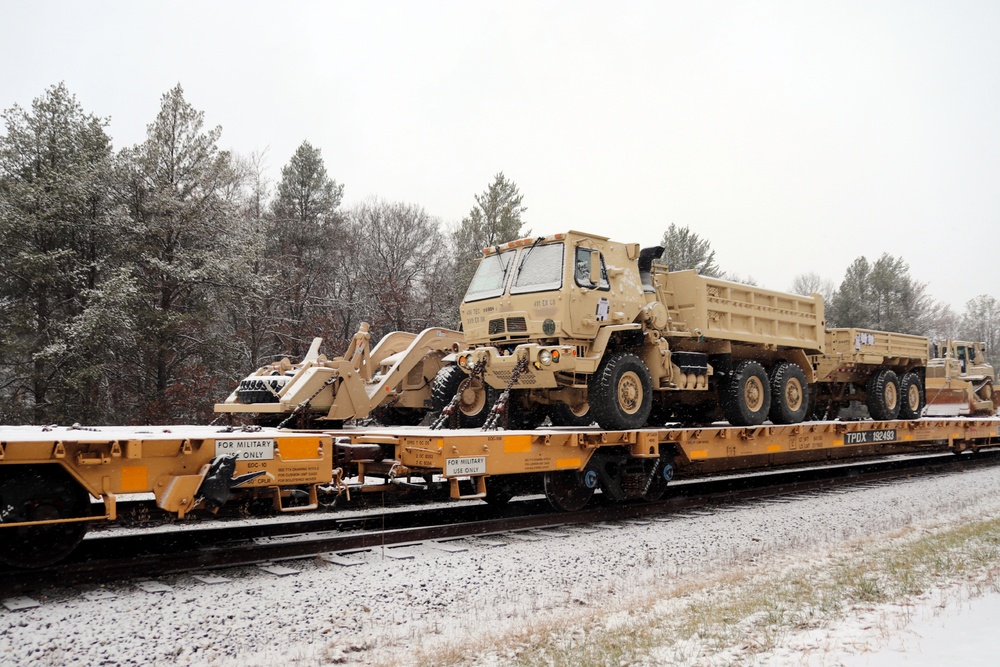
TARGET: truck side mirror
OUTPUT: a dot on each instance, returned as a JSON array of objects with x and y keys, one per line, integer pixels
[{"x": 595, "y": 268}]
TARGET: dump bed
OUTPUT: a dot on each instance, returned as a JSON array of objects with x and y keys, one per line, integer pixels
[
  {"x": 736, "y": 312},
  {"x": 850, "y": 347}
]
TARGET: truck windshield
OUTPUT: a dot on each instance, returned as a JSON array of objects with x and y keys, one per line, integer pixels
[
  {"x": 540, "y": 269},
  {"x": 490, "y": 276}
]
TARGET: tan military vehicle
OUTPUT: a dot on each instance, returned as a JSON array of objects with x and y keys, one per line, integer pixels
[
  {"x": 880, "y": 369},
  {"x": 391, "y": 381},
  {"x": 959, "y": 381},
  {"x": 586, "y": 329}
]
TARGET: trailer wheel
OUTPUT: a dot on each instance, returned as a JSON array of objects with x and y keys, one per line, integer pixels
[
  {"x": 563, "y": 414},
  {"x": 746, "y": 399},
  {"x": 37, "y": 493},
  {"x": 789, "y": 394},
  {"x": 883, "y": 395},
  {"x": 621, "y": 392},
  {"x": 912, "y": 393},
  {"x": 475, "y": 401}
]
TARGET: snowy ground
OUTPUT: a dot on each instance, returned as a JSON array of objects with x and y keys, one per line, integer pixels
[{"x": 428, "y": 601}]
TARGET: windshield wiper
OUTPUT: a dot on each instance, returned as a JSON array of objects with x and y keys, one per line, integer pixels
[{"x": 524, "y": 260}]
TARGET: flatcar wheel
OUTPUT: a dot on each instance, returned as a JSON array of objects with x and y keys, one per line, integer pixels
[
  {"x": 37, "y": 493},
  {"x": 660, "y": 472},
  {"x": 568, "y": 490}
]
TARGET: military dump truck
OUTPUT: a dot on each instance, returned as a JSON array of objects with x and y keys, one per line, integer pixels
[
  {"x": 959, "y": 381},
  {"x": 391, "y": 381},
  {"x": 883, "y": 370},
  {"x": 584, "y": 329}
]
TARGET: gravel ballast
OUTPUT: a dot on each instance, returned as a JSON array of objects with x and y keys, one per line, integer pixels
[{"x": 399, "y": 606}]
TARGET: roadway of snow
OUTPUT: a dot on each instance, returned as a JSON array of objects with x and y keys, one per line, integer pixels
[{"x": 383, "y": 608}]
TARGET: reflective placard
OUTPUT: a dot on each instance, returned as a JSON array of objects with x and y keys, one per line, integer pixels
[
  {"x": 466, "y": 465},
  {"x": 246, "y": 450}
]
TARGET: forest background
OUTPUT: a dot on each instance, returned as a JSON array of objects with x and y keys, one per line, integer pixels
[{"x": 139, "y": 285}]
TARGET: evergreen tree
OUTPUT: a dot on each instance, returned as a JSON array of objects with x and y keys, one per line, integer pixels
[
  {"x": 57, "y": 251},
  {"x": 684, "y": 249}
]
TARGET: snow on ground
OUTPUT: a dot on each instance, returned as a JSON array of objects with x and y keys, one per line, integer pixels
[{"x": 385, "y": 609}]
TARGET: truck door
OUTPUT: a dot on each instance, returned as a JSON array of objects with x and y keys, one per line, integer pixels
[{"x": 590, "y": 300}]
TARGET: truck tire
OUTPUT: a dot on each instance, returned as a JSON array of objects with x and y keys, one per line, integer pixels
[
  {"x": 789, "y": 394},
  {"x": 621, "y": 392},
  {"x": 474, "y": 405},
  {"x": 883, "y": 395},
  {"x": 912, "y": 400},
  {"x": 562, "y": 414},
  {"x": 746, "y": 398}
]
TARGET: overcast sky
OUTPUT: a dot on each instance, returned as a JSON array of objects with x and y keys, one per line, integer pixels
[{"x": 794, "y": 136}]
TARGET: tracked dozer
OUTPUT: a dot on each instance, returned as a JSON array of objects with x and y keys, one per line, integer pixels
[
  {"x": 959, "y": 380},
  {"x": 391, "y": 382}
]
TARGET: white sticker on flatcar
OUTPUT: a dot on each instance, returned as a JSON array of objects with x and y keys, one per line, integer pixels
[
  {"x": 466, "y": 465},
  {"x": 246, "y": 450}
]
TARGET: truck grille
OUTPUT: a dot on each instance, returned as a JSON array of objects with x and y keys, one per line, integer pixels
[
  {"x": 525, "y": 379},
  {"x": 510, "y": 325}
]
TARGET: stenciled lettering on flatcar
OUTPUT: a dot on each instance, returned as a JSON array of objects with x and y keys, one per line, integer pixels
[{"x": 864, "y": 437}]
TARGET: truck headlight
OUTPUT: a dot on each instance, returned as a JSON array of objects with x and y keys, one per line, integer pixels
[
  {"x": 545, "y": 357},
  {"x": 470, "y": 363}
]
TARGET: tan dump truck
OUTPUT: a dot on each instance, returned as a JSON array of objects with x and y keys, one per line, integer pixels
[
  {"x": 584, "y": 329},
  {"x": 391, "y": 381},
  {"x": 959, "y": 381},
  {"x": 881, "y": 369}
]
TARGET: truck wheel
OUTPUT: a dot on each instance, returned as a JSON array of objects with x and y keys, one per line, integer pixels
[
  {"x": 621, "y": 392},
  {"x": 789, "y": 394},
  {"x": 746, "y": 399},
  {"x": 563, "y": 414},
  {"x": 883, "y": 395},
  {"x": 474, "y": 403},
  {"x": 912, "y": 393}
]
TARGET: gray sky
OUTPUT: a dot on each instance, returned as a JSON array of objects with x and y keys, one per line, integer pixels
[{"x": 795, "y": 136}]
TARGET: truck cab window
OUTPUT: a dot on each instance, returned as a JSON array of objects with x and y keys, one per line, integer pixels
[{"x": 582, "y": 271}]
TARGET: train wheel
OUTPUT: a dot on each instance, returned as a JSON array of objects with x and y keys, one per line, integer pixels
[
  {"x": 36, "y": 493},
  {"x": 661, "y": 471},
  {"x": 746, "y": 399},
  {"x": 912, "y": 393},
  {"x": 621, "y": 392},
  {"x": 563, "y": 414},
  {"x": 789, "y": 394},
  {"x": 570, "y": 490},
  {"x": 474, "y": 401},
  {"x": 883, "y": 395}
]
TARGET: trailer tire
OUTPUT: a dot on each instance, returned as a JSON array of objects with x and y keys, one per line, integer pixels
[
  {"x": 621, "y": 392},
  {"x": 474, "y": 407},
  {"x": 746, "y": 398},
  {"x": 789, "y": 394},
  {"x": 911, "y": 392},
  {"x": 883, "y": 395},
  {"x": 393, "y": 416}
]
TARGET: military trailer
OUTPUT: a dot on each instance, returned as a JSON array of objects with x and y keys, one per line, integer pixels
[
  {"x": 883, "y": 370},
  {"x": 584, "y": 329}
]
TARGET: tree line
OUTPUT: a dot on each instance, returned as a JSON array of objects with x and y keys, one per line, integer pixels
[{"x": 138, "y": 285}]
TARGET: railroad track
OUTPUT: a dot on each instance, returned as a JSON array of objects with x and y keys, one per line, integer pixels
[{"x": 110, "y": 557}]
